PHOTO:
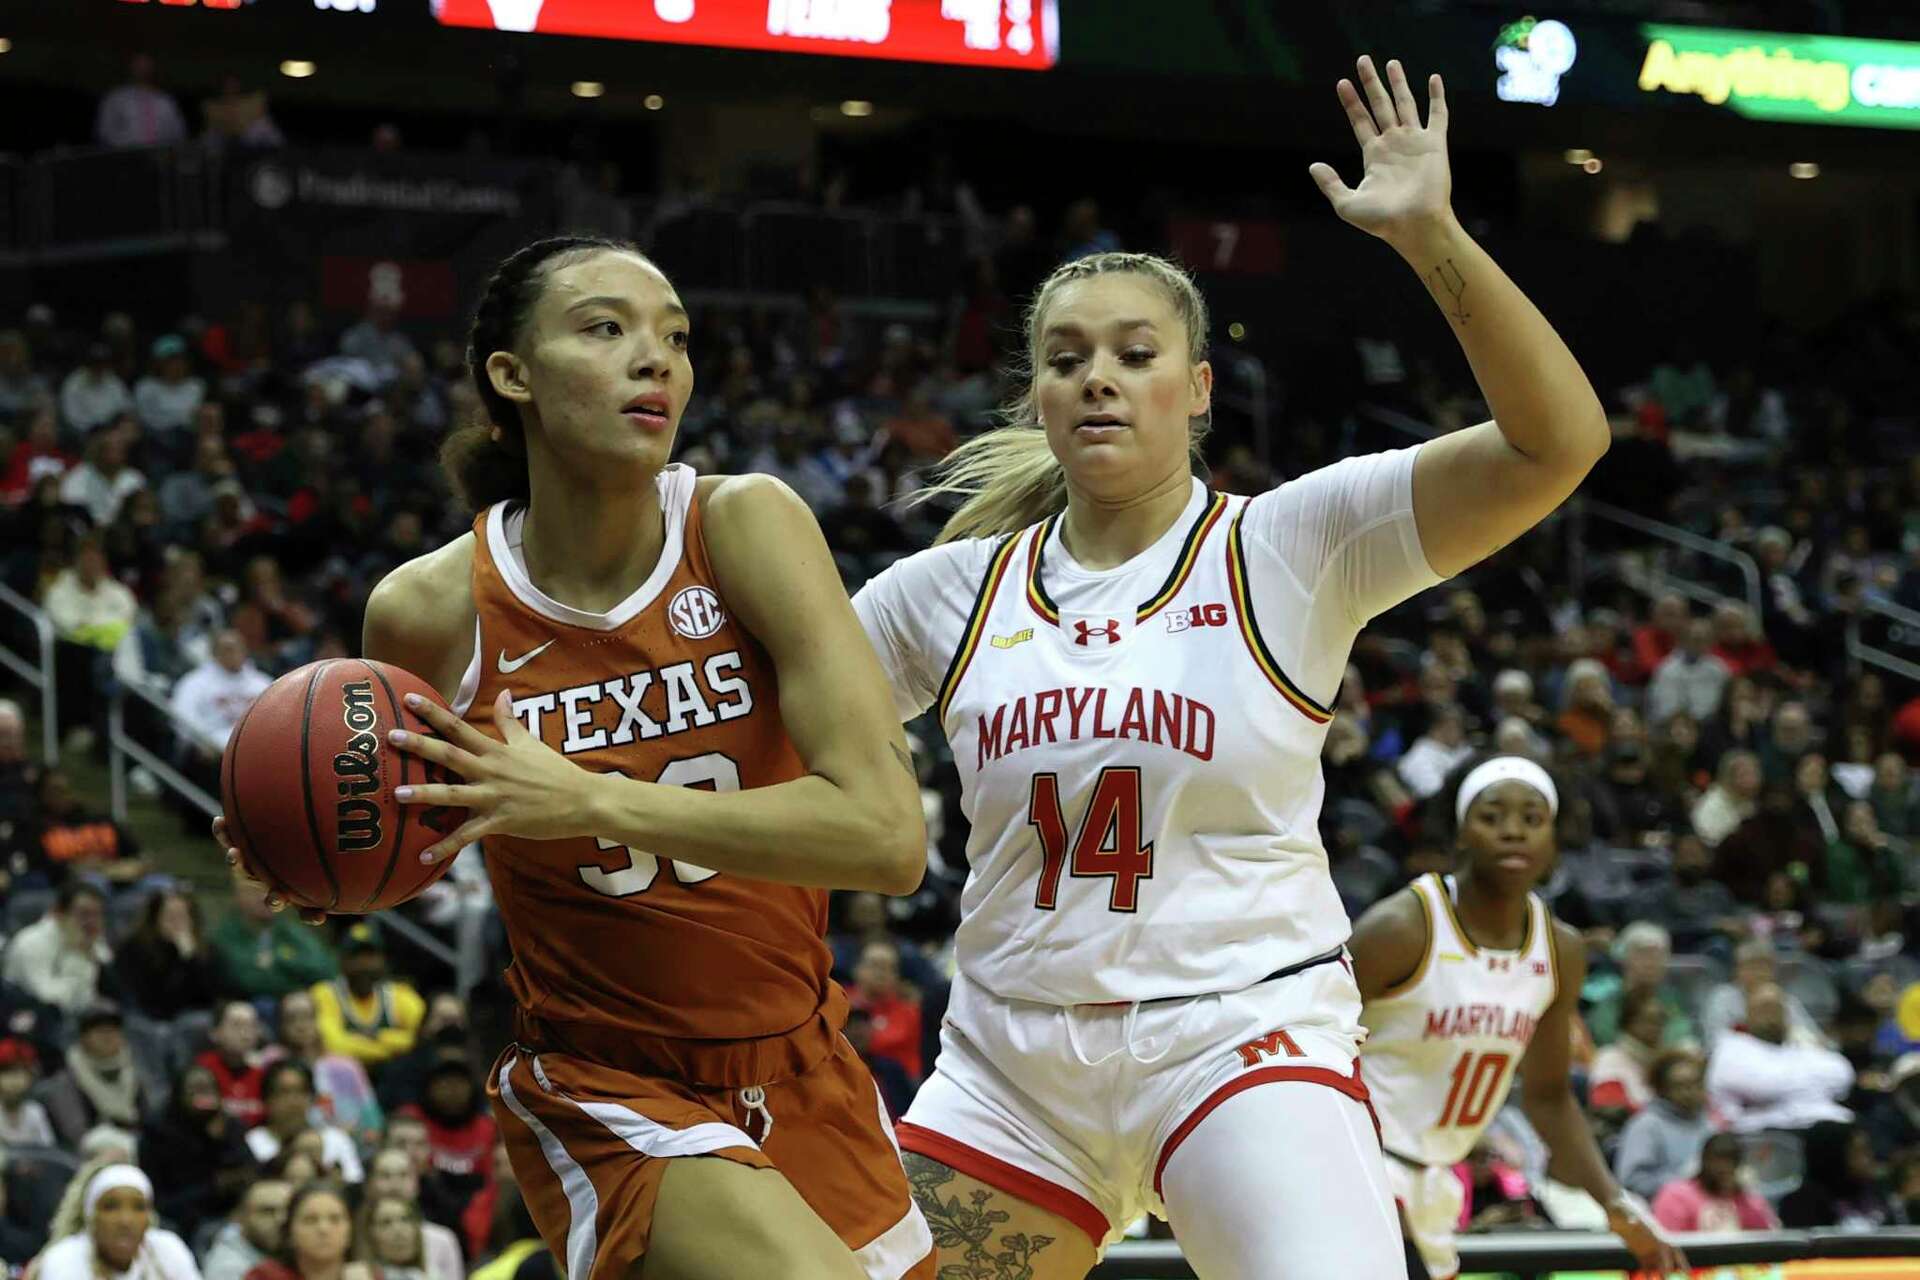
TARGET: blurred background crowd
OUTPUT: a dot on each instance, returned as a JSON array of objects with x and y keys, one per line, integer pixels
[{"x": 200, "y": 497}]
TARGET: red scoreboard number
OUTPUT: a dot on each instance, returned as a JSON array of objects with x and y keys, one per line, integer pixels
[{"x": 1229, "y": 247}]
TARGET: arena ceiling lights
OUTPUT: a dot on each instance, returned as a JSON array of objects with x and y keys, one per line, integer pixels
[{"x": 1012, "y": 34}]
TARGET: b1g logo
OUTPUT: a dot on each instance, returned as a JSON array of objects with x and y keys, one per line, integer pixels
[
  {"x": 1199, "y": 615},
  {"x": 696, "y": 613}
]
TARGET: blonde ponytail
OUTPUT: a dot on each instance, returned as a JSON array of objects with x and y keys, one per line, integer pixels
[
  {"x": 1011, "y": 480},
  {"x": 1008, "y": 477}
]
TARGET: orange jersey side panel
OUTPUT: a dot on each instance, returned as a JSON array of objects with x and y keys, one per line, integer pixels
[{"x": 668, "y": 687}]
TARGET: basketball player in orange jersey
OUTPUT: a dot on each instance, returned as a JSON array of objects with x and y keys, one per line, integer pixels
[
  {"x": 620, "y": 640},
  {"x": 1470, "y": 983}
]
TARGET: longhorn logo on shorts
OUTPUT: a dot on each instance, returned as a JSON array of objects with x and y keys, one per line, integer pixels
[
  {"x": 1088, "y": 635},
  {"x": 696, "y": 613}
]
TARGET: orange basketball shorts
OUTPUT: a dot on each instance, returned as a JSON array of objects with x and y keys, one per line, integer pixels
[{"x": 590, "y": 1144}]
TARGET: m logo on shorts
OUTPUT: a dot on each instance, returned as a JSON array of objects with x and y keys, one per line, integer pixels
[
  {"x": 696, "y": 613},
  {"x": 1270, "y": 1045}
]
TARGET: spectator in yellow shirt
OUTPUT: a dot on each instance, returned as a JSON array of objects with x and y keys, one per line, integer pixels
[{"x": 363, "y": 1013}]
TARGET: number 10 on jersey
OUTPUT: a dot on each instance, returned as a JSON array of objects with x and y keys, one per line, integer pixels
[{"x": 1107, "y": 844}]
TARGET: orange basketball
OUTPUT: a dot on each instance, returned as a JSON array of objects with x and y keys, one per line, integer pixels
[{"x": 308, "y": 781}]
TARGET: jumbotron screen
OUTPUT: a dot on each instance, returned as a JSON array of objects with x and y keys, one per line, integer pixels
[{"x": 1018, "y": 34}]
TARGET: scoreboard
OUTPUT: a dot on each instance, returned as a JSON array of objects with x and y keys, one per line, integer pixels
[{"x": 1016, "y": 34}]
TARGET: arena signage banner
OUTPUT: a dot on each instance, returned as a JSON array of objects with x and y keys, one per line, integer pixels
[
  {"x": 1016, "y": 34},
  {"x": 1799, "y": 79},
  {"x": 413, "y": 233}
]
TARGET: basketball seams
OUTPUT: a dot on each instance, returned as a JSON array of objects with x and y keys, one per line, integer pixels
[
  {"x": 400, "y": 827},
  {"x": 306, "y": 774},
  {"x": 230, "y": 801}
]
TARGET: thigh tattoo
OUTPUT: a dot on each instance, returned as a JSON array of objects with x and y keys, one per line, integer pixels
[{"x": 967, "y": 1227}]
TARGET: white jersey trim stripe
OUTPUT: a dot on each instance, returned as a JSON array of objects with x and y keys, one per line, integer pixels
[
  {"x": 504, "y": 521},
  {"x": 583, "y": 1202},
  {"x": 893, "y": 1252}
]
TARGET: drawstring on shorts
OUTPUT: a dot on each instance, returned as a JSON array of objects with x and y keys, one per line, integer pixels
[{"x": 754, "y": 1098}]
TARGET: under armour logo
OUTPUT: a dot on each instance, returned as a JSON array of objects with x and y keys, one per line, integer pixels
[{"x": 1109, "y": 631}]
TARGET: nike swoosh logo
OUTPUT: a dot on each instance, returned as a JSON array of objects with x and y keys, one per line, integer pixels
[{"x": 510, "y": 665}]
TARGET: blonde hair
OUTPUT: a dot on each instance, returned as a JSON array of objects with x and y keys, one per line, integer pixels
[{"x": 1008, "y": 477}]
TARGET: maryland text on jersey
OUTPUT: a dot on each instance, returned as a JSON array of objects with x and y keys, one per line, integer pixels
[
  {"x": 645, "y": 705},
  {"x": 1500, "y": 1021},
  {"x": 1146, "y": 715}
]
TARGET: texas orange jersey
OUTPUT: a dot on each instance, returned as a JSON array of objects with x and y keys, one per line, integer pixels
[{"x": 666, "y": 687}]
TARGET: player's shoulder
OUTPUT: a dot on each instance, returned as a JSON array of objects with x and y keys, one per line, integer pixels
[
  {"x": 948, "y": 565},
  {"x": 1390, "y": 944},
  {"x": 423, "y": 611},
  {"x": 1569, "y": 949}
]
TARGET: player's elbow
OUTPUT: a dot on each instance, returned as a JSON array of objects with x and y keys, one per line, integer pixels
[{"x": 901, "y": 861}]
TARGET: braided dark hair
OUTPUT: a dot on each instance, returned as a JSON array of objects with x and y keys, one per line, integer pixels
[{"x": 480, "y": 469}]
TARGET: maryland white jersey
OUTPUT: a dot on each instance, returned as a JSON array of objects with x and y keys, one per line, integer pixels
[
  {"x": 1442, "y": 1048},
  {"x": 1139, "y": 747}
]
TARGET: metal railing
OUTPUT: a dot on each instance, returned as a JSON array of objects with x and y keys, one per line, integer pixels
[
  {"x": 1748, "y": 567},
  {"x": 1541, "y": 1253},
  {"x": 1860, "y": 650},
  {"x": 772, "y": 247},
  {"x": 39, "y": 675},
  {"x": 122, "y": 747},
  {"x": 1660, "y": 578}
]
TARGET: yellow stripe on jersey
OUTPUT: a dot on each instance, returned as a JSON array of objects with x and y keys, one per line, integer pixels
[
  {"x": 1196, "y": 538},
  {"x": 1399, "y": 989},
  {"x": 976, "y": 623},
  {"x": 1189, "y": 556},
  {"x": 1466, "y": 939},
  {"x": 1037, "y": 596},
  {"x": 1250, "y": 630}
]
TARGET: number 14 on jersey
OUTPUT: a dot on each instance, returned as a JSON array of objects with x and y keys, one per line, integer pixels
[{"x": 1108, "y": 843}]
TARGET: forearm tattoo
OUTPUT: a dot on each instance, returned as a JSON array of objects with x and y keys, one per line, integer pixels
[
  {"x": 1446, "y": 279},
  {"x": 968, "y": 1227}
]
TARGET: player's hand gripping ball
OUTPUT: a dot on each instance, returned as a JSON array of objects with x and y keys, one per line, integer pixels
[{"x": 310, "y": 786}]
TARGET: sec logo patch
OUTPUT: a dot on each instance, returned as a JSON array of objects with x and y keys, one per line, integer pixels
[{"x": 696, "y": 613}]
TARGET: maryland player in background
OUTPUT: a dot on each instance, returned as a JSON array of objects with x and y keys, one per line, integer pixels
[
  {"x": 1470, "y": 983},
  {"x": 673, "y": 741}
]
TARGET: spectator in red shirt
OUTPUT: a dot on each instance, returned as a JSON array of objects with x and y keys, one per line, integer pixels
[
  {"x": 38, "y": 455},
  {"x": 461, "y": 1134},
  {"x": 235, "y": 1062},
  {"x": 893, "y": 1006},
  {"x": 1737, "y": 642},
  {"x": 1660, "y": 634}
]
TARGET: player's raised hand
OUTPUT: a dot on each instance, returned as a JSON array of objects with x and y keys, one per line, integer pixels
[
  {"x": 516, "y": 785},
  {"x": 242, "y": 873},
  {"x": 1405, "y": 183},
  {"x": 1657, "y": 1255}
]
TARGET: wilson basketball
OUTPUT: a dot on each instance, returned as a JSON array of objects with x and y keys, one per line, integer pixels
[{"x": 308, "y": 780}]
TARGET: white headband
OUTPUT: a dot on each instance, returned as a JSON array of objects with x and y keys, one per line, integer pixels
[
  {"x": 116, "y": 1177},
  {"x": 1504, "y": 769}
]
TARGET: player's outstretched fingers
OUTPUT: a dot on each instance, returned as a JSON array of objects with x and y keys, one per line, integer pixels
[{"x": 1378, "y": 99}]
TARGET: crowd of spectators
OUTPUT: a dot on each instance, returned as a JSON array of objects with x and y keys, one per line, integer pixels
[{"x": 203, "y": 507}]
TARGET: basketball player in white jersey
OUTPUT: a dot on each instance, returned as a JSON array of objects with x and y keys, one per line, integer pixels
[
  {"x": 1470, "y": 982},
  {"x": 1154, "y": 1011}
]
